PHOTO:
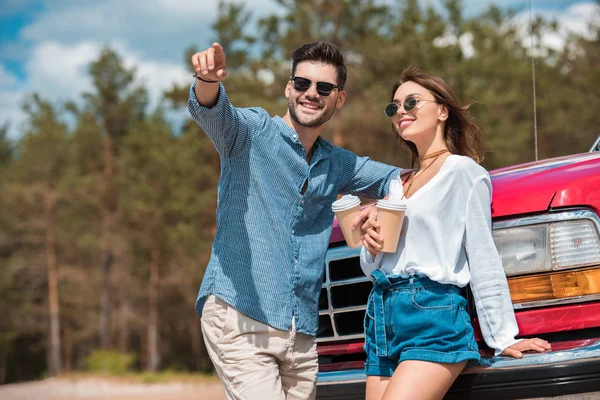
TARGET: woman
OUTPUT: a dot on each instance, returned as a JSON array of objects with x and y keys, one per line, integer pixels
[{"x": 418, "y": 336}]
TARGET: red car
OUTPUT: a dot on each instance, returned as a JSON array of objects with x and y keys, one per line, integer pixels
[{"x": 547, "y": 229}]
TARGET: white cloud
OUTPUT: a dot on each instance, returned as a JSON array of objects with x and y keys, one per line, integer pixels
[
  {"x": 66, "y": 35},
  {"x": 187, "y": 8},
  {"x": 157, "y": 76},
  {"x": 154, "y": 28},
  {"x": 10, "y": 111},
  {"x": 157, "y": 29},
  {"x": 575, "y": 19},
  {"x": 465, "y": 42},
  {"x": 59, "y": 73},
  {"x": 11, "y": 98},
  {"x": 56, "y": 71},
  {"x": 266, "y": 75},
  {"x": 579, "y": 16},
  {"x": 6, "y": 78}
]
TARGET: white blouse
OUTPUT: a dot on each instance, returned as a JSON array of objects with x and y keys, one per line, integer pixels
[{"x": 446, "y": 236}]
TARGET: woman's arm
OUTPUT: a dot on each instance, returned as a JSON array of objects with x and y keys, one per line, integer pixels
[{"x": 488, "y": 280}]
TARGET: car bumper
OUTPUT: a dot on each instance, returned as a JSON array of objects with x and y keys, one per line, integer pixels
[{"x": 575, "y": 369}]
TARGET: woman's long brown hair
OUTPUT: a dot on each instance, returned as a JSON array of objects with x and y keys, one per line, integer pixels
[{"x": 461, "y": 134}]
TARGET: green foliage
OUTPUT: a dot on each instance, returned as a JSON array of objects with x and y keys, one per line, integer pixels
[
  {"x": 5, "y": 145},
  {"x": 117, "y": 101},
  {"x": 110, "y": 362},
  {"x": 231, "y": 22}
]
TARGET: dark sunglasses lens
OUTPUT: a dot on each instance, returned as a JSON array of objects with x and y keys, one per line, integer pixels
[
  {"x": 409, "y": 103},
  {"x": 324, "y": 88},
  {"x": 391, "y": 109},
  {"x": 301, "y": 84}
]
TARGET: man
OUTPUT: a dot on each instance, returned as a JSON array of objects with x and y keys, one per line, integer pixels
[{"x": 258, "y": 300}]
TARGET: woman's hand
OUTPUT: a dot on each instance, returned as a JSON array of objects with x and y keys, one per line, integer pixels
[
  {"x": 371, "y": 239},
  {"x": 535, "y": 344},
  {"x": 367, "y": 220}
]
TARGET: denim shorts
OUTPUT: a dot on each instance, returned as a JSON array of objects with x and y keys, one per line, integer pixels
[{"x": 415, "y": 318}]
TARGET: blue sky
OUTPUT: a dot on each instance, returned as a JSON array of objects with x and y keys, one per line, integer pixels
[{"x": 46, "y": 45}]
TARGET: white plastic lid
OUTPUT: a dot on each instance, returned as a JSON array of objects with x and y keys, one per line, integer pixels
[
  {"x": 396, "y": 205},
  {"x": 345, "y": 202}
]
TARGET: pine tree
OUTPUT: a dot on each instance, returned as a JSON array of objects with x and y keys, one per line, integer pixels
[{"x": 116, "y": 103}]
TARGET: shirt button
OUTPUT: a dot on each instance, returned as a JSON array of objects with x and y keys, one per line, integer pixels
[
  {"x": 292, "y": 231},
  {"x": 295, "y": 261},
  {"x": 293, "y": 292},
  {"x": 294, "y": 136}
]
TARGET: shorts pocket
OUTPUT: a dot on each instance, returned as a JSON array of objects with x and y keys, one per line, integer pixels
[
  {"x": 433, "y": 298},
  {"x": 215, "y": 315}
]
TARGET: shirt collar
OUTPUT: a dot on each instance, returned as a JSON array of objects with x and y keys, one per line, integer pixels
[
  {"x": 321, "y": 149},
  {"x": 323, "y": 146}
]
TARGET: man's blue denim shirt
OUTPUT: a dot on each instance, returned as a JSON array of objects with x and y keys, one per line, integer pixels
[{"x": 268, "y": 255}]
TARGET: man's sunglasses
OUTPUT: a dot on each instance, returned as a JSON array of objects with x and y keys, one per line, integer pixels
[
  {"x": 409, "y": 103},
  {"x": 303, "y": 84}
]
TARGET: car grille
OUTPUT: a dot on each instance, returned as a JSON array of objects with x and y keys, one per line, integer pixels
[{"x": 344, "y": 296}]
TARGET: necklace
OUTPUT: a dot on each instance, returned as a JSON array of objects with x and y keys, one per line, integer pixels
[{"x": 435, "y": 156}]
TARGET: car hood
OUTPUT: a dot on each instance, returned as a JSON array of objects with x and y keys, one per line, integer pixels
[{"x": 537, "y": 186}]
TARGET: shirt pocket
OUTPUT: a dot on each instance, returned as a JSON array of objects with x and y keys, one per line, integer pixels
[{"x": 313, "y": 215}]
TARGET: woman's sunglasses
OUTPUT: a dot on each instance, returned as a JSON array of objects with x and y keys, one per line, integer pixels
[
  {"x": 409, "y": 103},
  {"x": 303, "y": 84}
]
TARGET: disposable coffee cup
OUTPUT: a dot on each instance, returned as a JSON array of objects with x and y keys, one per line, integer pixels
[
  {"x": 345, "y": 209},
  {"x": 390, "y": 215}
]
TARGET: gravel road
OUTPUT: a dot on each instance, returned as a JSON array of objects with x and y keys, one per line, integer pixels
[{"x": 107, "y": 389}]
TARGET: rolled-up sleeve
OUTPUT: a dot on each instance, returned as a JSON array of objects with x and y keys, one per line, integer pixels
[{"x": 364, "y": 177}]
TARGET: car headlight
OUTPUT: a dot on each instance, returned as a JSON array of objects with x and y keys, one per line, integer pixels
[
  {"x": 548, "y": 247},
  {"x": 574, "y": 244}
]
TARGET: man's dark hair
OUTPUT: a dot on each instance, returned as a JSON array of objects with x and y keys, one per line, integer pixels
[{"x": 324, "y": 52}]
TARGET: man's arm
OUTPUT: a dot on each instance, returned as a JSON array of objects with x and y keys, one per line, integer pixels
[
  {"x": 211, "y": 68},
  {"x": 364, "y": 177},
  {"x": 227, "y": 127}
]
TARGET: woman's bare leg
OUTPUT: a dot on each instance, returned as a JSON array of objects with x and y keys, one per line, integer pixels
[
  {"x": 376, "y": 386},
  {"x": 421, "y": 380}
]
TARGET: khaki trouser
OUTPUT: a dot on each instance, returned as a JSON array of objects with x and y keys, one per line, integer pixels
[{"x": 254, "y": 360}]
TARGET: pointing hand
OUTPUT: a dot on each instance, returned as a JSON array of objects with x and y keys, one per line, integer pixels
[{"x": 210, "y": 64}]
